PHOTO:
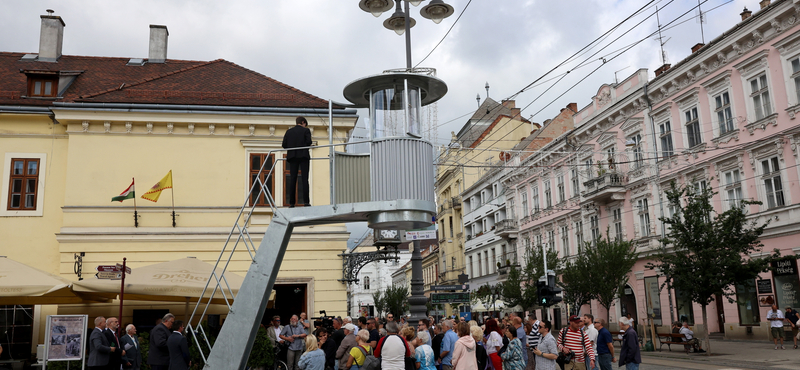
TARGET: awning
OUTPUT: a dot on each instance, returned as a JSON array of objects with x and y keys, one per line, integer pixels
[{"x": 25, "y": 285}]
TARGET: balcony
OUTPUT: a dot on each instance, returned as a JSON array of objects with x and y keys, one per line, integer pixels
[
  {"x": 507, "y": 227},
  {"x": 456, "y": 203},
  {"x": 606, "y": 187}
]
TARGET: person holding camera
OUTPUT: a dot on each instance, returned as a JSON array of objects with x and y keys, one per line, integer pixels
[{"x": 574, "y": 343}]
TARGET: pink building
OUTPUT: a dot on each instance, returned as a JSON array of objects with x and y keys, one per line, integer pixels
[{"x": 724, "y": 117}]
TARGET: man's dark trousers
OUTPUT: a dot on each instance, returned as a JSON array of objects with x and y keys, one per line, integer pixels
[{"x": 298, "y": 165}]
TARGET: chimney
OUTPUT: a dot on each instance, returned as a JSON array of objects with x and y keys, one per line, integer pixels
[
  {"x": 764, "y": 3},
  {"x": 662, "y": 69},
  {"x": 511, "y": 104},
  {"x": 745, "y": 13},
  {"x": 51, "y": 37},
  {"x": 697, "y": 47},
  {"x": 573, "y": 107},
  {"x": 158, "y": 44}
]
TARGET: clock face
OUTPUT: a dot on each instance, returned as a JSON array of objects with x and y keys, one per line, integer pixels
[{"x": 388, "y": 234}]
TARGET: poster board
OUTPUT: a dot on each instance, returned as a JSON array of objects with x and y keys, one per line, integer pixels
[{"x": 65, "y": 338}]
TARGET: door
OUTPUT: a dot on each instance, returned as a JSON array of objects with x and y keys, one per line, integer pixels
[{"x": 720, "y": 312}]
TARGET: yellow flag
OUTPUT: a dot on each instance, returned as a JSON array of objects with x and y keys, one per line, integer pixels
[{"x": 155, "y": 192}]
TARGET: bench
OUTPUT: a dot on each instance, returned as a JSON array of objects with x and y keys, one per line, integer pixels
[{"x": 669, "y": 339}]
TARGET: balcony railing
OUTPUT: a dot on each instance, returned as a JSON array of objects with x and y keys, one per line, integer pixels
[
  {"x": 456, "y": 203},
  {"x": 506, "y": 226},
  {"x": 607, "y": 185}
]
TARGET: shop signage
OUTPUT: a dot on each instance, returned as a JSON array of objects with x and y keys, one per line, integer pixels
[
  {"x": 787, "y": 284},
  {"x": 764, "y": 286},
  {"x": 449, "y": 298}
]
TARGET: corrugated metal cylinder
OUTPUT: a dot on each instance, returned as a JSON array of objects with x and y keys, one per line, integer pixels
[
  {"x": 352, "y": 178},
  {"x": 401, "y": 168}
]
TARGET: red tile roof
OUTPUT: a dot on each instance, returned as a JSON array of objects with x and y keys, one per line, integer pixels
[{"x": 111, "y": 80}]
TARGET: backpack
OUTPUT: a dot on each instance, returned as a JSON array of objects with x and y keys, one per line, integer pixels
[
  {"x": 370, "y": 361},
  {"x": 563, "y": 358}
]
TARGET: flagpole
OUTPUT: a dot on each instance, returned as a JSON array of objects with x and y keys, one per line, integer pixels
[
  {"x": 172, "y": 193},
  {"x": 135, "y": 212}
]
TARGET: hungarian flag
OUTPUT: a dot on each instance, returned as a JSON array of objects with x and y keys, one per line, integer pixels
[
  {"x": 129, "y": 193},
  {"x": 155, "y": 192}
]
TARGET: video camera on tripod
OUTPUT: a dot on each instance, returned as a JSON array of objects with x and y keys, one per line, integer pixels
[{"x": 323, "y": 321}]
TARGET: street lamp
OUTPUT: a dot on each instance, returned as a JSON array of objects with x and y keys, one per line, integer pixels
[{"x": 401, "y": 22}]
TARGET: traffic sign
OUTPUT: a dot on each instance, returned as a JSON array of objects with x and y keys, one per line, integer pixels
[
  {"x": 450, "y": 287},
  {"x": 127, "y": 269},
  {"x": 421, "y": 235},
  {"x": 450, "y": 298},
  {"x": 113, "y": 275},
  {"x": 107, "y": 268}
]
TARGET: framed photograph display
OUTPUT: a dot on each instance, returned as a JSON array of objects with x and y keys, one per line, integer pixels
[{"x": 66, "y": 337}]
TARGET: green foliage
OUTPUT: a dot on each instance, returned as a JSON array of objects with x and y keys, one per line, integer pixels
[
  {"x": 711, "y": 252},
  {"x": 519, "y": 288},
  {"x": 576, "y": 280},
  {"x": 396, "y": 300},
  {"x": 511, "y": 289},
  {"x": 484, "y": 294},
  {"x": 379, "y": 299},
  {"x": 144, "y": 349},
  {"x": 262, "y": 353}
]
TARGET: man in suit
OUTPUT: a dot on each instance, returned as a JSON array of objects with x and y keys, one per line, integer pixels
[
  {"x": 115, "y": 358},
  {"x": 298, "y": 160},
  {"x": 158, "y": 358},
  {"x": 178, "y": 348},
  {"x": 99, "y": 348},
  {"x": 133, "y": 358}
]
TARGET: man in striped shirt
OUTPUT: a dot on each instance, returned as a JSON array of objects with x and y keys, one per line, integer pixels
[
  {"x": 533, "y": 339},
  {"x": 572, "y": 338}
]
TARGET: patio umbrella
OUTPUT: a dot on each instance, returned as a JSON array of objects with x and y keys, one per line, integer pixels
[
  {"x": 24, "y": 285},
  {"x": 181, "y": 280}
]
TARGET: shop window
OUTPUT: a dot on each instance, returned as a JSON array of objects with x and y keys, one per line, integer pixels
[
  {"x": 16, "y": 326},
  {"x": 653, "y": 296},
  {"x": 684, "y": 306},
  {"x": 747, "y": 301}
]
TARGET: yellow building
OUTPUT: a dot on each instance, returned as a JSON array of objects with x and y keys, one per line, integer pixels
[
  {"x": 75, "y": 130},
  {"x": 493, "y": 128}
]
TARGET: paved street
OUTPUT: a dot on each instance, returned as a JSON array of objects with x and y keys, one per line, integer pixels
[{"x": 731, "y": 355}]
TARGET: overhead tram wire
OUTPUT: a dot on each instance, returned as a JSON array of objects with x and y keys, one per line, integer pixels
[
  {"x": 445, "y": 35},
  {"x": 589, "y": 58},
  {"x": 596, "y": 69}
]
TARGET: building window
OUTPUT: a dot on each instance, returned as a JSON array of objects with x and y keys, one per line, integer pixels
[
  {"x": 796, "y": 77},
  {"x": 451, "y": 226},
  {"x": 265, "y": 178},
  {"x": 24, "y": 184},
  {"x": 480, "y": 265},
  {"x": 772, "y": 182},
  {"x": 644, "y": 217},
  {"x": 548, "y": 196},
  {"x": 747, "y": 300},
  {"x": 538, "y": 240},
  {"x": 617, "y": 218},
  {"x": 638, "y": 154},
  {"x": 551, "y": 240},
  {"x": 693, "y": 128},
  {"x": 565, "y": 239},
  {"x": 43, "y": 86},
  {"x": 535, "y": 194},
  {"x": 575, "y": 186},
  {"x": 759, "y": 92},
  {"x": 733, "y": 189},
  {"x": 579, "y": 236},
  {"x": 366, "y": 282},
  {"x": 562, "y": 196},
  {"x": 495, "y": 190},
  {"x": 471, "y": 272},
  {"x": 594, "y": 225},
  {"x": 524, "y": 197},
  {"x": 588, "y": 164},
  {"x": 665, "y": 133},
  {"x": 494, "y": 259},
  {"x": 722, "y": 105}
]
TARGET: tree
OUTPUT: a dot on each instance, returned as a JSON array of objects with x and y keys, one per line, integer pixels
[
  {"x": 396, "y": 300},
  {"x": 534, "y": 269},
  {"x": 612, "y": 261},
  {"x": 711, "y": 252},
  {"x": 379, "y": 301},
  {"x": 576, "y": 279}
]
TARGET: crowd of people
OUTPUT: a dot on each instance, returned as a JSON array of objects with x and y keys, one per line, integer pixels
[
  {"x": 169, "y": 349},
  {"x": 511, "y": 343}
]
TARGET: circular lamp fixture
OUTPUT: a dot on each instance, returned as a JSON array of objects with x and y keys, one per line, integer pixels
[
  {"x": 397, "y": 22},
  {"x": 415, "y": 2},
  {"x": 437, "y": 10},
  {"x": 376, "y": 7}
]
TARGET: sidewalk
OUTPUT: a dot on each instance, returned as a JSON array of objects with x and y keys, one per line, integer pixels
[{"x": 738, "y": 354}]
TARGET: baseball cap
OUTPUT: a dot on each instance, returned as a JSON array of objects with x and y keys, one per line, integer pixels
[
  {"x": 574, "y": 318},
  {"x": 350, "y": 327}
]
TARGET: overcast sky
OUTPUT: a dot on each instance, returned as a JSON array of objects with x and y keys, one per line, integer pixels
[{"x": 319, "y": 46}]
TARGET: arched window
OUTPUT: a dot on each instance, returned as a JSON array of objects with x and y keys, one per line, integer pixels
[{"x": 366, "y": 283}]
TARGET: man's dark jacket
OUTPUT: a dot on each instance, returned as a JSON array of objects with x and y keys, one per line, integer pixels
[
  {"x": 297, "y": 137},
  {"x": 114, "y": 358},
  {"x": 178, "y": 351},
  {"x": 159, "y": 353}
]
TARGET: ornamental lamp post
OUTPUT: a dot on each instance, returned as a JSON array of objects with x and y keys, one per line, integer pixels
[{"x": 395, "y": 101}]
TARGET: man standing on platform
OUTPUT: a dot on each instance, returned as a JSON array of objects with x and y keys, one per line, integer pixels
[{"x": 298, "y": 160}]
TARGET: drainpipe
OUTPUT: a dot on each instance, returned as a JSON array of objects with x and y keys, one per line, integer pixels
[{"x": 658, "y": 191}]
